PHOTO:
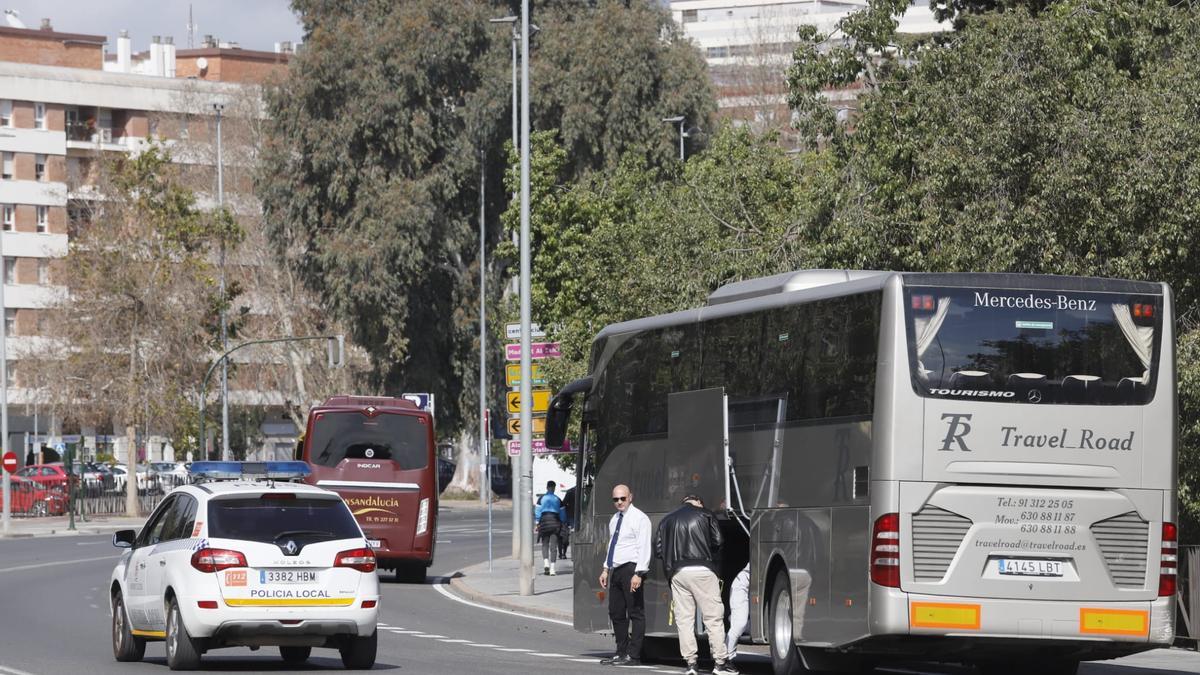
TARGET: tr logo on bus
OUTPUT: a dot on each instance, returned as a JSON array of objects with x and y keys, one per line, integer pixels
[{"x": 958, "y": 427}]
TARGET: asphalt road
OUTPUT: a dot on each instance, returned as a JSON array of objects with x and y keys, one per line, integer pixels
[{"x": 54, "y": 618}]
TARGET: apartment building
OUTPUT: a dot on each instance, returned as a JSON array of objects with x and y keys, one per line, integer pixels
[
  {"x": 66, "y": 99},
  {"x": 748, "y": 45}
]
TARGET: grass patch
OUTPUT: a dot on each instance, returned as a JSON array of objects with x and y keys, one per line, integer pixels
[{"x": 456, "y": 494}]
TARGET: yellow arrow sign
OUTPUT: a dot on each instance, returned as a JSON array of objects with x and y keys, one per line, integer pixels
[
  {"x": 539, "y": 425},
  {"x": 541, "y": 401}
]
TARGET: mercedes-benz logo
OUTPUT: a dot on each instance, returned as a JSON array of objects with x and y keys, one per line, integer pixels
[
  {"x": 290, "y": 547},
  {"x": 1035, "y": 396}
]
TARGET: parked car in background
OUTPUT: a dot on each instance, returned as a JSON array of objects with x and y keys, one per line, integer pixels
[
  {"x": 47, "y": 475},
  {"x": 121, "y": 478},
  {"x": 445, "y": 473},
  {"x": 170, "y": 474},
  {"x": 34, "y": 499}
]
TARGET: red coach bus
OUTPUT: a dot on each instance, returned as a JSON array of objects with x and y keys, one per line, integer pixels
[{"x": 379, "y": 454}]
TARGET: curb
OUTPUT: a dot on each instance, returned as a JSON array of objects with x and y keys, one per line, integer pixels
[
  {"x": 465, "y": 590},
  {"x": 81, "y": 529}
]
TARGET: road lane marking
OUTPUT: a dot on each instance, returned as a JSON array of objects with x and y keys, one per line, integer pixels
[
  {"x": 477, "y": 605},
  {"x": 13, "y": 671},
  {"x": 431, "y": 636},
  {"x": 455, "y": 640},
  {"x": 484, "y": 644},
  {"x": 405, "y": 632},
  {"x": 514, "y": 649},
  {"x": 596, "y": 661},
  {"x": 20, "y": 568},
  {"x": 553, "y": 656}
]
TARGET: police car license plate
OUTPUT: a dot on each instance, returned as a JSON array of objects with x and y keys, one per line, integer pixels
[
  {"x": 1031, "y": 568},
  {"x": 287, "y": 576}
]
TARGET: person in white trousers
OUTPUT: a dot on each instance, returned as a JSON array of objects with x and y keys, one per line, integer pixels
[{"x": 739, "y": 610}]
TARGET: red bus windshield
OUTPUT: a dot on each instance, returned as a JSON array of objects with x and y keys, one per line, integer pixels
[{"x": 338, "y": 436}]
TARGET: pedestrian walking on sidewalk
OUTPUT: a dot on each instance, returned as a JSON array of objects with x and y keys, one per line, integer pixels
[
  {"x": 739, "y": 611},
  {"x": 549, "y": 516},
  {"x": 687, "y": 542},
  {"x": 626, "y": 564}
]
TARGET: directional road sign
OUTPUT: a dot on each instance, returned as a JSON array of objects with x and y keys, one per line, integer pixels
[
  {"x": 537, "y": 350},
  {"x": 541, "y": 401},
  {"x": 10, "y": 461},
  {"x": 539, "y": 446},
  {"x": 539, "y": 424},
  {"x": 512, "y": 375},
  {"x": 513, "y": 331}
]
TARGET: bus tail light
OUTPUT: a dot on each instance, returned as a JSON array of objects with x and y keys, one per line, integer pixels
[
  {"x": 217, "y": 559},
  {"x": 423, "y": 517},
  {"x": 361, "y": 559},
  {"x": 885, "y": 551},
  {"x": 1170, "y": 560}
]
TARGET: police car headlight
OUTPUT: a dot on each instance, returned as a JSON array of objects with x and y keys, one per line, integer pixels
[{"x": 423, "y": 517}]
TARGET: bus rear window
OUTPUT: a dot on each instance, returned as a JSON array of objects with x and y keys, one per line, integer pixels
[
  {"x": 338, "y": 436},
  {"x": 1033, "y": 347},
  {"x": 267, "y": 518}
]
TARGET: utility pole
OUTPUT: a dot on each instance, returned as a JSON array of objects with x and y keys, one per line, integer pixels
[
  {"x": 526, "y": 461},
  {"x": 219, "y": 108},
  {"x": 4, "y": 389}
]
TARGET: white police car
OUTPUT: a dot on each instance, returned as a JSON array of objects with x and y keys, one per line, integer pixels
[{"x": 242, "y": 558}]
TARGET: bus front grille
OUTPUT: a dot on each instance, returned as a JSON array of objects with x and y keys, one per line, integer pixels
[
  {"x": 1123, "y": 540},
  {"x": 937, "y": 534}
]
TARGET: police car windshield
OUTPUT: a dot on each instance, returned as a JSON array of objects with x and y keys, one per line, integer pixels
[
  {"x": 265, "y": 519},
  {"x": 339, "y": 436},
  {"x": 1033, "y": 347}
]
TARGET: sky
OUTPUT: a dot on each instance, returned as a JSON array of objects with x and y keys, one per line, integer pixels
[{"x": 253, "y": 24}]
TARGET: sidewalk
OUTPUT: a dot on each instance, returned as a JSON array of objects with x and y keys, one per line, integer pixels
[
  {"x": 551, "y": 599},
  {"x": 57, "y": 526}
]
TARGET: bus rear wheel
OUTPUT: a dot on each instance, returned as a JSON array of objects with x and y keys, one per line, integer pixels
[{"x": 785, "y": 657}]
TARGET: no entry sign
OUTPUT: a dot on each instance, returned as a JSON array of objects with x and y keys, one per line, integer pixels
[{"x": 10, "y": 461}]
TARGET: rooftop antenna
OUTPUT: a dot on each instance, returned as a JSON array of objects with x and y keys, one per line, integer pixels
[
  {"x": 13, "y": 17},
  {"x": 191, "y": 28}
]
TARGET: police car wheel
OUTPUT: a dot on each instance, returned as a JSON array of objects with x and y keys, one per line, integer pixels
[
  {"x": 182, "y": 652},
  {"x": 126, "y": 645},
  {"x": 358, "y": 653},
  {"x": 293, "y": 655}
]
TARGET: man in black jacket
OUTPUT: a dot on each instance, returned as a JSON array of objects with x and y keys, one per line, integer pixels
[{"x": 687, "y": 542}]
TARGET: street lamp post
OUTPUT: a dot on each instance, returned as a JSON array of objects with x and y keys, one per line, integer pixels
[
  {"x": 7, "y": 490},
  {"x": 682, "y": 122},
  {"x": 220, "y": 108}
]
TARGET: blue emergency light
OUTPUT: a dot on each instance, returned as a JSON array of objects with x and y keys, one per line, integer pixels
[{"x": 249, "y": 470}]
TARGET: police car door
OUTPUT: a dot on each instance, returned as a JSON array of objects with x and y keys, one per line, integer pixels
[
  {"x": 173, "y": 549},
  {"x": 139, "y": 596}
]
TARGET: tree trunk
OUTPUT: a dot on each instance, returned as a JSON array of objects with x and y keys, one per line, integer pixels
[
  {"x": 131, "y": 484},
  {"x": 466, "y": 474}
]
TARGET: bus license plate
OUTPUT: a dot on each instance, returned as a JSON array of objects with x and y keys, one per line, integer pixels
[
  {"x": 287, "y": 576},
  {"x": 1031, "y": 568}
]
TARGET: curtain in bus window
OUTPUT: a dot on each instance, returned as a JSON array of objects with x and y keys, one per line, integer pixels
[
  {"x": 926, "y": 330},
  {"x": 1140, "y": 338},
  {"x": 340, "y": 436}
]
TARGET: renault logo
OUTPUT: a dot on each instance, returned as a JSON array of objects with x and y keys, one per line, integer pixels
[{"x": 290, "y": 547}]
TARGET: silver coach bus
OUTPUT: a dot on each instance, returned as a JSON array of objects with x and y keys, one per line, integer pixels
[{"x": 973, "y": 468}]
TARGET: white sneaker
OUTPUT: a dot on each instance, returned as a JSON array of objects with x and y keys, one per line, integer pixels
[
  {"x": 553, "y": 570},
  {"x": 545, "y": 566}
]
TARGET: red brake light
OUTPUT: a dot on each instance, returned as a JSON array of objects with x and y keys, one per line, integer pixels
[
  {"x": 278, "y": 495},
  {"x": 924, "y": 303},
  {"x": 217, "y": 559},
  {"x": 885, "y": 551},
  {"x": 206, "y": 604},
  {"x": 1169, "y": 558},
  {"x": 361, "y": 559},
  {"x": 1143, "y": 311},
  {"x": 368, "y": 604}
]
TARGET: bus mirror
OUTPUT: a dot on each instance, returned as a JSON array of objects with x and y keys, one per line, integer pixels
[
  {"x": 559, "y": 414},
  {"x": 299, "y": 452}
]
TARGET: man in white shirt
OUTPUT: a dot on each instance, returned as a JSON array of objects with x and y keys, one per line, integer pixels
[{"x": 626, "y": 564}]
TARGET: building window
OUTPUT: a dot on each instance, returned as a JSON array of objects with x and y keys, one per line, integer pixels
[
  {"x": 690, "y": 16},
  {"x": 6, "y": 165},
  {"x": 43, "y": 275},
  {"x": 10, "y": 322},
  {"x": 39, "y": 167},
  {"x": 11, "y": 372},
  {"x": 8, "y": 216},
  {"x": 39, "y": 115},
  {"x": 717, "y": 52},
  {"x": 6, "y": 117},
  {"x": 10, "y": 270},
  {"x": 43, "y": 218}
]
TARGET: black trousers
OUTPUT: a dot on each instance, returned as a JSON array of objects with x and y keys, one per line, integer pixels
[{"x": 626, "y": 607}]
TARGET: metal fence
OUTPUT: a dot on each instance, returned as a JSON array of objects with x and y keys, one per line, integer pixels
[
  {"x": 1187, "y": 626},
  {"x": 93, "y": 496}
]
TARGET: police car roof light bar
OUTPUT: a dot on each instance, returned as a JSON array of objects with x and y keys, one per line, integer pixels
[{"x": 288, "y": 470}]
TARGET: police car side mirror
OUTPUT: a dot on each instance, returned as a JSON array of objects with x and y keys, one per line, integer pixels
[{"x": 124, "y": 538}]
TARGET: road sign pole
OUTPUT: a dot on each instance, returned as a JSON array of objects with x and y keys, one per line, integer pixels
[
  {"x": 10, "y": 463},
  {"x": 526, "y": 577}
]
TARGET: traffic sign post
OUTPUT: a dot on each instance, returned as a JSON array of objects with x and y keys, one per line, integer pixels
[
  {"x": 539, "y": 425},
  {"x": 512, "y": 375},
  {"x": 537, "y": 350},
  {"x": 512, "y": 331},
  {"x": 10, "y": 465},
  {"x": 541, "y": 401}
]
